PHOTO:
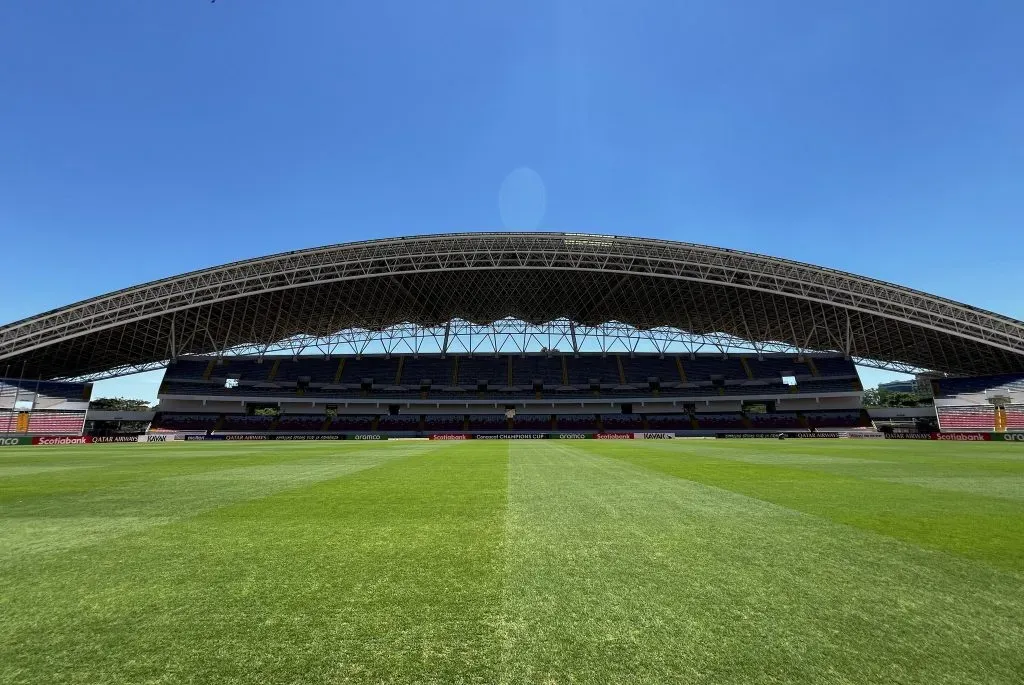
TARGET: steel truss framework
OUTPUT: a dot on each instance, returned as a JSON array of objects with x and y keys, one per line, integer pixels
[
  {"x": 471, "y": 293},
  {"x": 507, "y": 336}
]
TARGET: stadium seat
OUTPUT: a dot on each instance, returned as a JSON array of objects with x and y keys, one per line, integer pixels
[
  {"x": 775, "y": 420},
  {"x": 435, "y": 369},
  {"x": 673, "y": 422},
  {"x": 532, "y": 422},
  {"x": 300, "y": 423},
  {"x": 731, "y": 420},
  {"x": 488, "y": 368},
  {"x": 241, "y": 422},
  {"x": 525, "y": 370},
  {"x": 1015, "y": 417},
  {"x": 837, "y": 367},
  {"x": 640, "y": 368},
  {"x": 398, "y": 422},
  {"x": 834, "y": 419},
  {"x": 44, "y": 422},
  {"x": 352, "y": 422},
  {"x": 622, "y": 422},
  {"x": 444, "y": 423},
  {"x": 576, "y": 422},
  {"x": 977, "y": 418},
  {"x": 999, "y": 384},
  {"x": 45, "y": 390},
  {"x": 184, "y": 422},
  {"x": 487, "y": 422}
]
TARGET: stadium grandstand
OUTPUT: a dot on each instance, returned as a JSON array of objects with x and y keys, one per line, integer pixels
[
  {"x": 43, "y": 407},
  {"x": 985, "y": 403},
  {"x": 512, "y": 332},
  {"x": 409, "y": 394}
]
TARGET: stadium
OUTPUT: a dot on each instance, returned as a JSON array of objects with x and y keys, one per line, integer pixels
[
  {"x": 539, "y": 333},
  {"x": 369, "y": 543}
]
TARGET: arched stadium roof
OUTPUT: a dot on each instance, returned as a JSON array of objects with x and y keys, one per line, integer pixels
[{"x": 587, "y": 280}]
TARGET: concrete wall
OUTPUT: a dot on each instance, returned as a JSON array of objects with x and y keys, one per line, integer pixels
[{"x": 902, "y": 412}]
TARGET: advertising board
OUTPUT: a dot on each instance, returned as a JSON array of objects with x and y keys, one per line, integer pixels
[{"x": 62, "y": 440}]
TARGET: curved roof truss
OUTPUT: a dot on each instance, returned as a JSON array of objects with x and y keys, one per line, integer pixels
[{"x": 534, "y": 277}]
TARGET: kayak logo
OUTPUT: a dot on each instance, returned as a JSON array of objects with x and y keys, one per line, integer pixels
[{"x": 654, "y": 436}]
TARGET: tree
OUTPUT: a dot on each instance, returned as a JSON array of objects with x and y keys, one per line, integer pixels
[
  {"x": 118, "y": 404},
  {"x": 883, "y": 398}
]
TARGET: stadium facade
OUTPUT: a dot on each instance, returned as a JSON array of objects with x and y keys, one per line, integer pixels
[{"x": 512, "y": 331}]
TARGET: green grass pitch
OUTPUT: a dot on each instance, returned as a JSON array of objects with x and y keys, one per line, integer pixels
[{"x": 513, "y": 562}]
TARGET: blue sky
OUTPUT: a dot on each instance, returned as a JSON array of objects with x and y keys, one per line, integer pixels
[{"x": 144, "y": 139}]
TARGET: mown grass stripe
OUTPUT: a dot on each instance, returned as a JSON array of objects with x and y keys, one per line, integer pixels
[
  {"x": 620, "y": 573},
  {"x": 984, "y": 527},
  {"x": 64, "y": 520},
  {"x": 547, "y": 561}
]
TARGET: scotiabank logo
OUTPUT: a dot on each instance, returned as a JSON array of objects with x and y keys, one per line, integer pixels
[
  {"x": 963, "y": 437},
  {"x": 62, "y": 441},
  {"x": 613, "y": 436},
  {"x": 448, "y": 436}
]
